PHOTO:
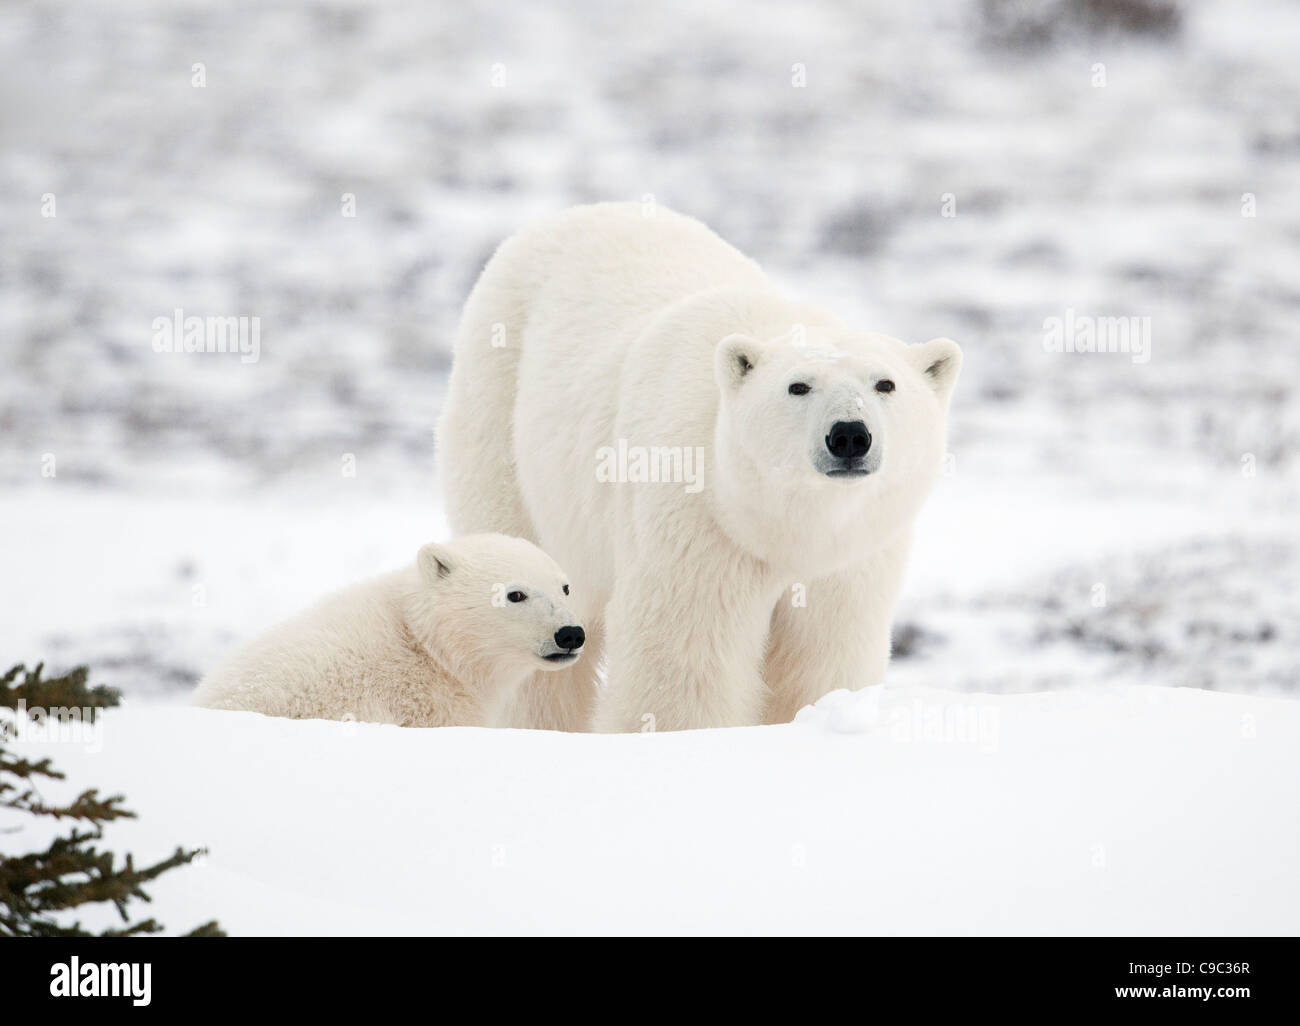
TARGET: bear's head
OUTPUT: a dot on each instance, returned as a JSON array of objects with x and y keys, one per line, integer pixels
[
  {"x": 829, "y": 443},
  {"x": 496, "y": 602}
]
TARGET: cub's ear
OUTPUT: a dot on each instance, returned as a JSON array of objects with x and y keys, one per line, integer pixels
[
  {"x": 435, "y": 562},
  {"x": 734, "y": 358},
  {"x": 939, "y": 361}
]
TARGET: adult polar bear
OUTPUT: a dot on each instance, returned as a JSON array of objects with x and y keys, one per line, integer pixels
[{"x": 733, "y": 603}]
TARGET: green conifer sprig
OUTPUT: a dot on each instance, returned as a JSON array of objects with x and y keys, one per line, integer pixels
[
  {"x": 37, "y": 887},
  {"x": 68, "y": 691}
]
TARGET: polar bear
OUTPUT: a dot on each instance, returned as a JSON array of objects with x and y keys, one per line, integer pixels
[
  {"x": 730, "y": 477},
  {"x": 440, "y": 643}
]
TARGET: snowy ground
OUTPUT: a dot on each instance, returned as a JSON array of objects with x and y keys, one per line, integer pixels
[{"x": 1123, "y": 810}]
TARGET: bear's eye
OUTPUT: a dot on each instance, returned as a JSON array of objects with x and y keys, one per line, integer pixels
[
  {"x": 566, "y": 589},
  {"x": 799, "y": 388},
  {"x": 516, "y": 596},
  {"x": 884, "y": 385}
]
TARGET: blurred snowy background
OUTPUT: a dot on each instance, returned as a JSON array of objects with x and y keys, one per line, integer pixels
[{"x": 1103, "y": 519}]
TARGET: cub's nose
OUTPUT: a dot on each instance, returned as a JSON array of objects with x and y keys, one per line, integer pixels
[
  {"x": 569, "y": 638},
  {"x": 848, "y": 440}
]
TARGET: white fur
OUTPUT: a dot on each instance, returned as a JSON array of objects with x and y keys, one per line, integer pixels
[
  {"x": 603, "y": 323},
  {"x": 435, "y": 644}
]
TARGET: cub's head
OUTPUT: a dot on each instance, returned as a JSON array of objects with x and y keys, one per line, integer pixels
[
  {"x": 839, "y": 425},
  {"x": 495, "y": 599}
]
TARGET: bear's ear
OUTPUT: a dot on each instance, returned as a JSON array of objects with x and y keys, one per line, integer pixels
[
  {"x": 435, "y": 562},
  {"x": 734, "y": 358},
  {"x": 938, "y": 360}
]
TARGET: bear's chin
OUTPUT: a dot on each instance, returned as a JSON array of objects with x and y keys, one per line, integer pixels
[
  {"x": 559, "y": 660},
  {"x": 842, "y": 470}
]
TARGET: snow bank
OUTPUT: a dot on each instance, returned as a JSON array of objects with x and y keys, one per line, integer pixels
[{"x": 890, "y": 810}]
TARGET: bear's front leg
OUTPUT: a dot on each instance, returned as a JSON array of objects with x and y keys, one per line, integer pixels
[
  {"x": 685, "y": 649},
  {"x": 832, "y": 632}
]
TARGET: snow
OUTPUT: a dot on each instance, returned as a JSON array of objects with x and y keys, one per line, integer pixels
[{"x": 1132, "y": 810}]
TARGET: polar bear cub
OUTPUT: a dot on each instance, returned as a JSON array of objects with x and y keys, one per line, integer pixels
[{"x": 442, "y": 642}]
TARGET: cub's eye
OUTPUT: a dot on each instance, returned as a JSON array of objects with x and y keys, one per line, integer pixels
[
  {"x": 516, "y": 596},
  {"x": 884, "y": 385},
  {"x": 566, "y": 589},
  {"x": 799, "y": 388}
]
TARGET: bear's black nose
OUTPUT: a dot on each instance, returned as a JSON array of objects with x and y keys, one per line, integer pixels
[
  {"x": 569, "y": 638},
  {"x": 848, "y": 440}
]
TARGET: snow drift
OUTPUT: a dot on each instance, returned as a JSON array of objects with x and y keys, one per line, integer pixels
[{"x": 886, "y": 811}]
